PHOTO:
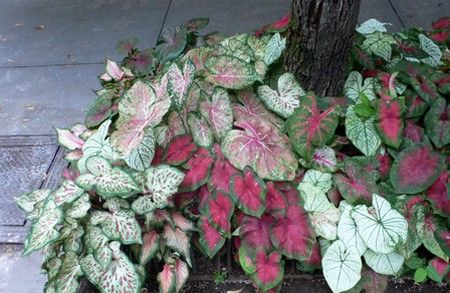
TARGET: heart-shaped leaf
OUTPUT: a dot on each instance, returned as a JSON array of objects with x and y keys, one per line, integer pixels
[
  {"x": 219, "y": 209},
  {"x": 434, "y": 223},
  {"x": 70, "y": 139},
  {"x": 323, "y": 159},
  {"x": 180, "y": 81},
  {"x": 274, "y": 48},
  {"x": 275, "y": 200},
  {"x": 121, "y": 226},
  {"x": 68, "y": 274},
  {"x": 99, "y": 243},
  {"x": 318, "y": 179},
  {"x": 361, "y": 132},
  {"x": 386, "y": 264},
  {"x": 255, "y": 232},
  {"x": 210, "y": 239},
  {"x": 200, "y": 169},
  {"x": 230, "y": 72},
  {"x": 142, "y": 157},
  {"x": 179, "y": 150},
  {"x": 379, "y": 44},
  {"x": 348, "y": 232},
  {"x": 149, "y": 248},
  {"x": 171, "y": 43},
  {"x": 438, "y": 193},
  {"x": 167, "y": 279},
  {"x": 389, "y": 122},
  {"x": 113, "y": 70},
  {"x": 437, "y": 123},
  {"x": 356, "y": 90},
  {"x": 371, "y": 26},
  {"x": 269, "y": 271},
  {"x": 432, "y": 50},
  {"x": 202, "y": 134},
  {"x": 221, "y": 172}
]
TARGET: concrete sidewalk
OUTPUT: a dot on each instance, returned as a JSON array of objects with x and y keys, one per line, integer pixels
[{"x": 51, "y": 52}]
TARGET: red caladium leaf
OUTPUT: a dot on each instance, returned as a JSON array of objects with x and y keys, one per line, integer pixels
[
  {"x": 356, "y": 186},
  {"x": 219, "y": 209},
  {"x": 415, "y": 105},
  {"x": 385, "y": 165},
  {"x": 200, "y": 169},
  {"x": 313, "y": 263},
  {"x": 415, "y": 169},
  {"x": 181, "y": 274},
  {"x": 439, "y": 267},
  {"x": 179, "y": 150},
  {"x": 363, "y": 58},
  {"x": 276, "y": 27},
  {"x": 204, "y": 194},
  {"x": 389, "y": 122},
  {"x": 444, "y": 85},
  {"x": 167, "y": 279},
  {"x": 425, "y": 88},
  {"x": 437, "y": 123},
  {"x": 442, "y": 237},
  {"x": 255, "y": 232},
  {"x": 275, "y": 199},
  {"x": 413, "y": 132},
  {"x": 293, "y": 234},
  {"x": 221, "y": 172},
  {"x": 210, "y": 239},
  {"x": 308, "y": 127},
  {"x": 141, "y": 63},
  {"x": 437, "y": 194},
  {"x": 269, "y": 271},
  {"x": 263, "y": 147},
  {"x": 248, "y": 191}
]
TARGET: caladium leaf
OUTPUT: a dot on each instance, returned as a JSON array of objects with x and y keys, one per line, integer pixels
[
  {"x": 120, "y": 276},
  {"x": 341, "y": 266},
  {"x": 248, "y": 191},
  {"x": 286, "y": 99},
  {"x": 202, "y": 134},
  {"x": 275, "y": 200},
  {"x": 274, "y": 49},
  {"x": 323, "y": 159},
  {"x": 179, "y": 150},
  {"x": 379, "y": 44},
  {"x": 437, "y": 123},
  {"x": 181, "y": 274},
  {"x": 255, "y": 232},
  {"x": 68, "y": 274},
  {"x": 27, "y": 201},
  {"x": 69, "y": 139},
  {"x": 432, "y": 50},
  {"x": 309, "y": 127},
  {"x": 107, "y": 181},
  {"x": 438, "y": 195},
  {"x": 386, "y": 264},
  {"x": 384, "y": 231},
  {"x": 196, "y": 24},
  {"x": 180, "y": 80},
  {"x": 142, "y": 157},
  {"x": 348, "y": 232},
  {"x": 99, "y": 110},
  {"x": 138, "y": 110},
  {"x": 313, "y": 263},
  {"x": 389, "y": 122},
  {"x": 437, "y": 269},
  {"x": 318, "y": 179},
  {"x": 113, "y": 70},
  {"x": 221, "y": 172},
  {"x": 246, "y": 260},
  {"x": 415, "y": 169},
  {"x": 121, "y": 225},
  {"x": 219, "y": 209},
  {"x": 434, "y": 223},
  {"x": 43, "y": 230},
  {"x": 99, "y": 243},
  {"x": 79, "y": 208},
  {"x": 425, "y": 88},
  {"x": 126, "y": 45},
  {"x": 230, "y": 72},
  {"x": 200, "y": 169},
  {"x": 442, "y": 237},
  {"x": 67, "y": 192},
  {"x": 171, "y": 43},
  {"x": 356, "y": 90},
  {"x": 167, "y": 279},
  {"x": 293, "y": 234},
  {"x": 210, "y": 239},
  {"x": 261, "y": 146},
  {"x": 415, "y": 105},
  {"x": 371, "y": 26},
  {"x": 269, "y": 271},
  {"x": 178, "y": 240},
  {"x": 217, "y": 110},
  {"x": 149, "y": 248},
  {"x": 361, "y": 132}
]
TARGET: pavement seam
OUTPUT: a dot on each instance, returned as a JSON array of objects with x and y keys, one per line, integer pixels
[
  {"x": 396, "y": 13},
  {"x": 164, "y": 20}
]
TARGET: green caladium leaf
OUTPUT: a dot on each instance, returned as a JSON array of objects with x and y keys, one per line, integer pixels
[
  {"x": 180, "y": 80},
  {"x": 202, "y": 134},
  {"x": 437, "y": 123},
  {"x": 341, "y": 266},
  {"x": 158, "y": 183},
  {"x": 230, "y": 72},
  {"x": 348, "y": 231},
  {"x": 361, "y": 132},
  {"x": 28, "y": 201},
  {"x": 121, "y": 226},
  {"x": 431, "y": 49},
  {"x": 142, "y": 157},
  {"x": 99, "y": 243},
  {"x": 43, "y": 229},
  {"x": 319, "y": 179},
  {"x": 69, "y": 272},
  {"x": 286, "y": 99},
  {"x": 274, "y": 49},
  {"x": 384, "y": 231},
  {"x": 120, "y": 276},
  {"x": 356, "y": 90},
  {"x": 371, "y": 26},
  {"x": 379, "y": 45},
  {"x": 139, "y": 109},
  {"x": 386, "y": 264},
  {"x": 67, "y": 192},
  {"x": 217, "y": 110}
]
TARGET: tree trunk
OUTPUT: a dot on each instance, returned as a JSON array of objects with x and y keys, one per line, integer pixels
[{"x": 319, "y": 42}]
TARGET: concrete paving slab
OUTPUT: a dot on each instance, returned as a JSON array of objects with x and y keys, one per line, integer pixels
[
  {"x": 381, "y": 10},
  {"x": 36, "y": 32},
  {"x": 421, "y": 13}
]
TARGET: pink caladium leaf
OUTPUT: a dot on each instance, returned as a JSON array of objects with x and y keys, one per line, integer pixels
[
  {"x": 255, "y": 232},
  {"x": 149, "y": 248},
  {"x": 165, "y": 133},
  {"x": 276, "y": 27},
  {"x": 230, "y": 72},
  {"x": 67, "y": 193},
  {"x": 181, "y": 222},
  {"x": 261, "y": 146},
  {"x": 219, "y": 209},
  {"x": 178, "y": 240},
  {"x": 413, "y": 132},
  {"x": 389, "y": 122},
  {"x": 313, "y": 263},
  {"x": 171, "y": 43},
  {"x": 214, "y": 38},
  {"x": 124, "y": 46},
  {"x": 181, "y": 274},
  {"x": 179, "y": 150},
  {"x": 167, "y": 279},
  {"x": 210, "y": 239},
  {"x": 68, "y": 273},
  {"x": 275, "y": 199},
  {"x": 308, "y": 127},
  {"x": 437, "y": 195},
  {"x": 415, "y": 105},
  {"x": 202, "y": 133},
  {"x": 138, "y": 110},
  {"x": 293, "y": 234},
  {"x": 217, "y": 110},
  {"x": 196, "y": 24},
  {"x": 385, "y": 164},
  {"x": 437, "y": 269},
  {"x": 442, "y": 237},
  {"x": 180, "y": 80},
  {"x": 248, "y": 191},
  {"x": 269, "y": 271},
  {"x": 437, "y": 123},
  {"x": 323, "y": 159},
  {"x": 141, "y": 63},
  {"x": 221, "y": 172},
  {"x": 415, "y": 169},
  {"x": 199, "y": 171},
  {"x": 113, "y": 70},
  {"x": 121, "y": 226},
  {"x": 69, "y": 139}
]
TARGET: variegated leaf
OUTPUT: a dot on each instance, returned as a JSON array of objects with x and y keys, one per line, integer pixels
[
  {"x": 113, "y": 70},
  {"x": 68, "y": 274},
  {"x": 230, "y": 72},
  {"x": 181, "y": 274},
  {"x": 27, "y": 201},
  {"x": 318, "y": 179},
  {"x": 149, "y": 248},
  {"x": 348, "y": 232},
  {"x": 202, "y": 134},
  {"x": 142, "y": 157},
  {"x": 379, "y": 44},
  {"x": 180, "y": 81},
  {"x": 122, "y": 226},
  {"x": 79, "y": 207},
  {"x": 354, "y": 87},
  {"x": 178, "y": 240},
  {"x": 274, "y": 48},
  {"x": 68, "y": 139},
  {"x": 100, "y": 246},
  {"x": 167, "y": 279},
  {"x": 67, "y": 192},
  {"x": 361, "y": 132},
  {"x": 386, "y": 264}
]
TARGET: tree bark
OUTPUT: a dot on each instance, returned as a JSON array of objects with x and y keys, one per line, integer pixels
[{"x": 319, "y": 43}]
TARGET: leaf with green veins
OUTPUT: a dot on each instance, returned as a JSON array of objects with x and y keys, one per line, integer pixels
[
  {"x": 361, "y": 132},
  {"x": 437, "y": 122},
  {"x": 107, "y": 181},
  {"x": 386, "y": 264},
  {"x": 431, "y": 49},
  {"x": 230, "y": 72},
  {"x": 141, "y": 158},
  {"x": 202, "y": 134},
  {"x": 274, "y": 48},
  {"x": 180, "y": 80},
  {"x": 67, "y": 192},
  {"x": 69, "y": 272},
  {"x": 348, "y": 231},
  {"x": 318, "y": 179},
  {"x": 414, "y": 214},
  {"x": 356, "y": 90},
  {"x": 379, "y": 45},
  {"x": 384, "y": 231},
  {"x": 43, "y": 230},
  {"x": 27, "y": 201}
]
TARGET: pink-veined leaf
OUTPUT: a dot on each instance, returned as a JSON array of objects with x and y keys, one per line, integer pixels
[
  {"x": 121, "y": 226},
  {"x": 255, "y": 232},
  {"x": 248, "y": 191},
  {"x": 68, "y": 273},
  {"x": 171, "y": 43},
  {"x": 214, "y": 38},
  {"x": 181, "y": 222},
  {"x": 413, "y": 132},
  {"x": 308, "y": 127},
  {"x": 211, "y": 240},
  {"x": 437, "y": 123},
  {"x": 180, "y": 80},
  {"x": 385, "y": 164},
  {"x": 161, "y": 86},
  {"x": 199, "y": 171},
  {"x": 219, "y": 209},
  {"x": 70, "y": 139},
  {"x": 202, "y": 134},
  {"x": 179, "y": 150},
  {"x": 217, "y": 110},
  {"x": 434, "y": 225},
  {"x": 438, "y": 195},
  {"x": 167, "y": 279},
  {"x": 138, "y": 110},
  {"x": 389, "y": 122},
  {"x": 323, "y": 159},
  {"x": 141, "y": 63},
  {"x": 181, "y": 274},
  {"x": 178, "y": 240},
  {"x": 275, "y": 200},
  {"x": 221, "y": 172},
  {"x": 261, "y": 146},
  {"x": 198, "y": 56},
  {"x": 269, "y": 271},
  {"x": 363, "y": 58},
  {"x": 425, "y": 88},
  {"x": 149, "y": 248},
  {"x": 415, "y": 169},
  {"x": 113, "y": 70},
  {"x": 165, "y": 133},
  {"x": 67, "y": 192},
  {"x": 293, "y": 234},
  {"x": 230, "y": 72}
]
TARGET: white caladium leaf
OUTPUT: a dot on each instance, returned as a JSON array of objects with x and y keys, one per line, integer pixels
[
  {"x": 27, "y": 201},
  {"x": 106, "y": 180},
  {"x": 79, "y": 207},
  {"x": 427, "y": 45},
  {"x": 122, "y": 226},
  {"x": 202, "y": 134},
  {"x": 119, "y": 277},
  {"x": 67, "y": 192},
  {"x": 371, "y": 26},
  {"x": 99, "y": 243},
  {"x": 142, "y": 157},
  {"x": 69, "y": 272},
  {"x": 354, "y": 87},
  {"x": 341, "y": 266},
  {"x": 347, "y": 231},
  {"x": 217, "y": 110},
  {"x": 43, "y": 229},
  {"x": 385, "y": 264},
  {"x": 180, "y": 81},
  {"x": 149, "y": 248},
  {"x": 113, "y": 70},
  {"x": 361, "y": 132},
  {"x": 379, "y": 44},
  {"x": 138, "y": 110},
  {"x": 178, "y": 240},
  {"x": 230, "y": 72},
  {"x": 319, "y": 179},
  {"x": 160, "y": 183},
  {"x": 384, "y": 231},
  {"x": 284, "y": 100},
  {"x": 274, "y": 48}
]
